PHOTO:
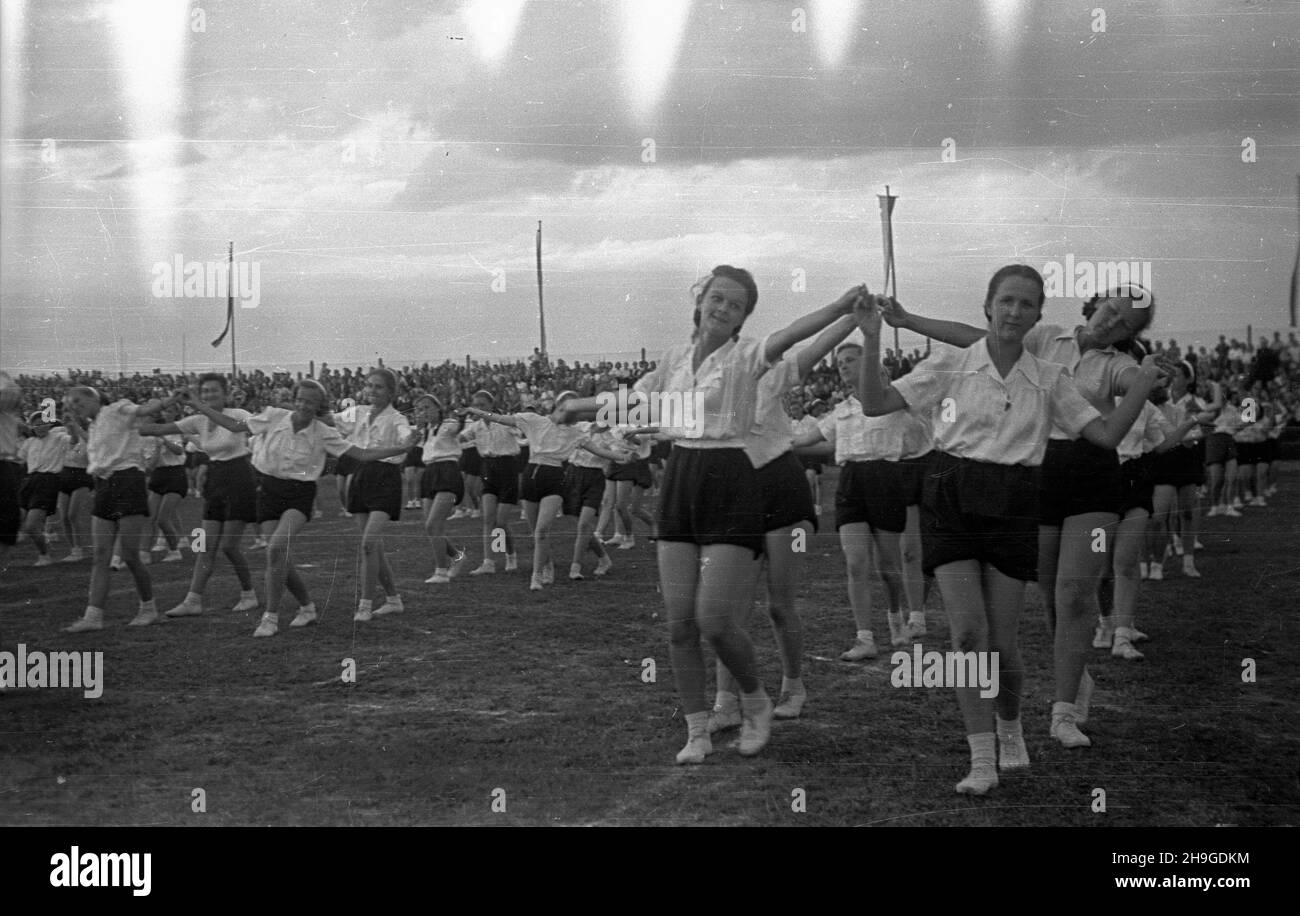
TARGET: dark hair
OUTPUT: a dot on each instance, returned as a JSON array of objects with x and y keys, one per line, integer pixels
[
  {"x": 739, "y": 275},
  {"x": 1129, "y": 291},
  {"x": 1013, "y": 270},
  {"x": 215, "y": 377}
]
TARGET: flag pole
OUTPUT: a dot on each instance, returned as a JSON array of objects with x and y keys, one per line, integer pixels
[
  {"x": 541, "y": 310},
  {"x": 887, "y": 240},
  {"x": 1295, "y": 271},
  {"x": 230, "y": 309}
]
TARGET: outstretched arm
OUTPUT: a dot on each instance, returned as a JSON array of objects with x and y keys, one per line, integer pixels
[
  {"x": 877, "y": 398},
  {"x": 826, "y": 341},
  {"x": 950, "y": 332},
  {"x": 219, "y": 418},
  {"x": 503, "y": 418},
  {"x": 1108, "y": 432},
  {"x": 808, "y": 325}
]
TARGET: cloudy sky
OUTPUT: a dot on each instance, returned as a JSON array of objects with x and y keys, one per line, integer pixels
[{"x": 384, "y": 165}]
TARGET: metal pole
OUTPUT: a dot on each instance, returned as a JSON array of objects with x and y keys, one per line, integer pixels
[{"x": 541, "y": 310}]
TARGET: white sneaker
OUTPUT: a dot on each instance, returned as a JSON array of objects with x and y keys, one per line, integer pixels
[
  {"x": 979, "y": 781},
  {"x": 306, "y": 615},
  {"x": 1138, "y": 636},
  {"x": 697, "y": 748},
  {"x": 614, "y": 541},
  {"x": 160, "y": 543},
  {"x": 1104, "y": 636},
  {"x": 246, "y": 604},
  {"x": 392, "y": 605},
  {"x": 76, "y": 556},
  {"x": 459, "y": 513},
  {"x": 173, "y": 556},
  {"x": 185, "y": 609},
  {"x": 1214, "y": 510},
  {"x": 1066, "y": 731},
  {"x": 1157, "y": 572},
  {"x": 1199, "y": 545},
  {"x": 535, "y": 584},
  {"x": 512, "y": 562},
  {"x": 1144, "y": 570},
  {"x": 269, "y": 626},
  {"x": 145, "y": 618},
  {"x": 791, "y": 706},
  {"x": 604, "y": 565},
  {"x": 1178, "y": 543},
  {"x": 145, "y": 557},
  {"x": 259, "y": 543},
  {"x": 1012, "y": 753},
  {"x": 486, "y": 568},
  {"x": 575, "y": 572},
  {"x": 43, "y": 560},
  {"x": 84, "y": 625},
  {"x": 1236, "y": 502},
  {"x": 723, "y": 718},
  {"x": 629, "y": 541},
  {"x": 1125, "y": 649},
  {"x": 756, "y": 729},
  {"x": 363, "y": 615},
  {"x": 861, "y": 648},
  {"x": 439, "y": 577},
  {"x": 1232, "y": 512},
  {"x": 1260, "y": 502},
  {"x": 916, "y": 627},
  {"x": 1189, "y": 567},
  {"x": 116, "y": 564}
]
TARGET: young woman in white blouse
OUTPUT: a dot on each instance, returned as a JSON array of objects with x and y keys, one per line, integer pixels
[
  {"x": 229, "y": 494},
  {"x": 710, "y": 506},
  {"x": 289, "y": 449},
  {"x": 1080, "y": 488},
  {"x": 441, "y": 485},
  {"x": 999, "y": 403}
]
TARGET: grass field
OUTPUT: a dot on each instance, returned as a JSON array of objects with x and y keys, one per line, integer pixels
[{"x": 483, "y": 686}]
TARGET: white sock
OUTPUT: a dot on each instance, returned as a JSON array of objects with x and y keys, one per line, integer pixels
[
  {"x": 394, "y": 600},
  {"x": 1061, "y": 709},
  {"x": 754, "y": 703},
  {"x": 365, "y": 604},
  {"x": 864, "y": 635},
  {"x": 1010, "y": 728},
  {"x": 726, "y": 701},
  {"x": 250, "y": 593},
  {"x": 194, "y": 599},
  {"x": 148, "y": 607},
  {"x": 792, "y": 685},
  {"x": 95, "y": 613},
  {"x": 697, "y": 724}
]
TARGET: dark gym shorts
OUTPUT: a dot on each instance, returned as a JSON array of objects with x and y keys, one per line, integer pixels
[
  {"x": 73, "y": 479},
  {"x": 1181, "y": 466},
  {"x": 414, "y": 457},
  {"x": 194, "y": 459},
  {"x": 711, "y": 496},
  {"x": 912, "y": 472},
  {"x": 660, "y": 451},
  {"x": 471, "y": 462},
  {"x": 787, "y": 497},
  {"x": 811, "y": 463},
  {"x": 1138, "y": 475},
  {"x": 169, "y": 479},
  {"x": 230, "y": 491},
  {"x": 276, "y": 496},
  {"x": 541, "y": 481},
  {"x": 1220, "y": 448},
  {"x": 872, "y": 492},
  {"x": 583, "y": 488},
  {"x": 521, "y": 461},
  {"x": 41, "y": 491},
  {"x": 1249, "y": 453},
  {"x": 442, "y": 477},
  {"x": 11, "y": 512},
  {"x": 122, "y": 494},
  {"x": 501, "y": 478},
  {"x": 974, "y": 510},
  {"x": 376, "y": 487},
  {"x": 637, "y": 471},
  {"x": 1078, "y": 478},
  {"x": 346, "y": 465},
  {"x": 1270, "y": 451}
]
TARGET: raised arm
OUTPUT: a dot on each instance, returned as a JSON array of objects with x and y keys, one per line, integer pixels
[
  {"x": 808, "y": 325},
  {"x": 1108, "y": 432},
  {"x": 159, "y": 429},
  {"x": 877, "y": 398},
  {"x": 503, "y": 418},
  {"x": 826, "y": 341},
  {"x": 154, "y": 406},
  {"x": 950, "y": 332},
  {"x": 378, "y": 454}
]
